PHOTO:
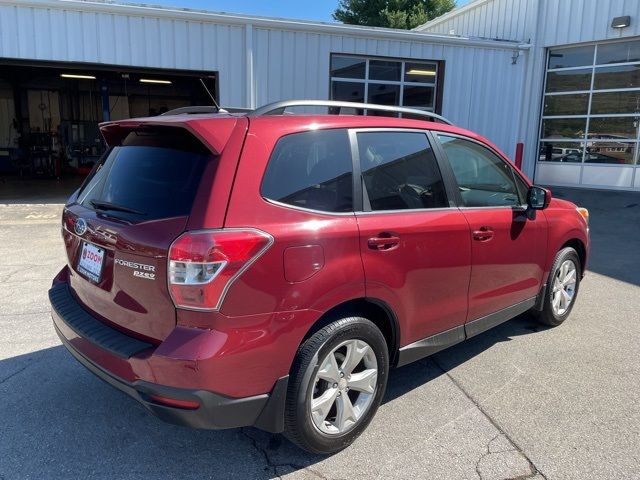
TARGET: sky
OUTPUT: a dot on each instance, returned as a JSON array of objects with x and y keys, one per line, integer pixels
[{"x": 319, "y": 10}]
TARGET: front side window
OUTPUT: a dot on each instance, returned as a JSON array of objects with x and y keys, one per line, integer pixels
[
  {"x": 400, "y": 171},
  {"x": 311, "y": 170},
  {"x": 484, "y": 179}
]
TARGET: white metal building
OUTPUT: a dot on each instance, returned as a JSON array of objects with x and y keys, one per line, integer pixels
[
  {"x": 581, "y": 117},
  {"x": 482, "y": 66}
]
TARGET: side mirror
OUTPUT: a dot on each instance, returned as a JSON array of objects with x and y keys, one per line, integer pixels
[{"x": 538, "y": 198}]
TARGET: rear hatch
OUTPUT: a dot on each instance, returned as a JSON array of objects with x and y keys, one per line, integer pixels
[{"x": 119, "y": 226}]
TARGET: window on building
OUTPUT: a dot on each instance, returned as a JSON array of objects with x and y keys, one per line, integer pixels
[
  {"x": 591, "y": 111},
  {"x": 311, "y": 170},
  {"x": 400, "y": 171},
  {"x": 385, "y": 81}
]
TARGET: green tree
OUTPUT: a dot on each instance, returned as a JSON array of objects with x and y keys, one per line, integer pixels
[{"x": 405, "y": 14}]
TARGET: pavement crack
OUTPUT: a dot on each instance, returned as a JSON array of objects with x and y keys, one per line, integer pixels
[
  {"x": 15, "y": 373},
  {"x": 485, "y": 454},
  {"x": 274, "y": 466},
  {"x": 534, "y": 470}
]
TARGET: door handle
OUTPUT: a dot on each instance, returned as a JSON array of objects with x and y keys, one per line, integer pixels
[
  {"x": 384, "y": 241},
  {"x": 483, "y": 234}
]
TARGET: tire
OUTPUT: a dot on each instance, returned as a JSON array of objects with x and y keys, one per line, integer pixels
[
  {"x": 344, "y": 340},
  {"x": 551, "y": 315}
]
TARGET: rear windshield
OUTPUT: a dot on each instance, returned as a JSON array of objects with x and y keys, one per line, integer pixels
[{"x": 154, "y": 174}]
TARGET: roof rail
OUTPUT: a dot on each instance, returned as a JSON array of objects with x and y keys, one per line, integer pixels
[
  {"x": 278, "y": 108},
  {"x": 193, "y": 110}
]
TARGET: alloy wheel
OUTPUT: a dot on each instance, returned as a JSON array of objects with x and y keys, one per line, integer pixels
[
  {"x": 344, "y": 387},
  {"x": 564, "y": 287}
]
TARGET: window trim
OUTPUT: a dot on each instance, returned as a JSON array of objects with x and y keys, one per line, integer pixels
[
  {"x": 460, "y": 203},
  {"x": 451, "y": 186},
  {"x": 366, "y": 81},
  {"x": 304, "y": 209}
]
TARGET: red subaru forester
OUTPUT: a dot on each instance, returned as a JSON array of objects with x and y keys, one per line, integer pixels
[{"x": 268, "y": 269}]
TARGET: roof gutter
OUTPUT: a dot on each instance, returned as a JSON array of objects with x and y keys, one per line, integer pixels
[{"x": 264, "y": 22}]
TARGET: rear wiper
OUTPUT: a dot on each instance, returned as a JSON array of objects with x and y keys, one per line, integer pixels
[{"x": 112, "y": 206}]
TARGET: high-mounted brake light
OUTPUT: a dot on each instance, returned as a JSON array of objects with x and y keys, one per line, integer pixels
[{"x": 204, "y": 264}]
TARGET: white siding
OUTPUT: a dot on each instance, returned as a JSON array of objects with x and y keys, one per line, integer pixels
[
  {"x": 474, "y": 77},
  {"x": 543, "y": 23},
  {"x": 574, "y": 21},
  {"x": 504, "y": 19},
  {"x": 289, "y": 59},
  {"x": 562, "y": 21},
  {"x": 70, "y": 35}
]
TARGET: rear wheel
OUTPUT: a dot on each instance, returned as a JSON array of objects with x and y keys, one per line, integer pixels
[
  {"x": 562, "y": 288},
  {"x": 336, "y": 384}
]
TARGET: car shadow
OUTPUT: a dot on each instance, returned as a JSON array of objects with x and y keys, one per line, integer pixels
[
  {"x": 614, "y": 229},
  {"x": 414, "y": 375},
  {"x": 59, "y": 421}
]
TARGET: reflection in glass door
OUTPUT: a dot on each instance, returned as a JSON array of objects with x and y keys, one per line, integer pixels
[{"x": 591, "y": 116}]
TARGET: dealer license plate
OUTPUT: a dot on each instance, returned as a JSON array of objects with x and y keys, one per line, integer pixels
[{"x": 91, "y": 261}]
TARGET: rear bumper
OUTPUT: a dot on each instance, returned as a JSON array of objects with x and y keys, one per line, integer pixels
[{"x": 107, "y": 352}]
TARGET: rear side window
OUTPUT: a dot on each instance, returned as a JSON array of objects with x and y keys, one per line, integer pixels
[
  {"x": 400, "y": 171},
  {"x": 484, "y": 179},
  {"x": 311, "y": 170},
  {"x": 153, "y": 175}
]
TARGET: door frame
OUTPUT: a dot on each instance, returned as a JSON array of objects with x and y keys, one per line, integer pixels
[{"x": 359, "y": 192}]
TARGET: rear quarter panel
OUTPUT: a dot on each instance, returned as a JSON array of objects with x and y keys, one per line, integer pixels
[
  {"x": 269, "y": 307},
  {"x": 264, "y": 288}
]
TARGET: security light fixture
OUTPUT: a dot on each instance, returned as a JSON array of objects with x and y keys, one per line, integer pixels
[
  {"x": 621, "y": 22},
  {"x": 151, "y": 80},
  {"x": 80, "y": 77}
]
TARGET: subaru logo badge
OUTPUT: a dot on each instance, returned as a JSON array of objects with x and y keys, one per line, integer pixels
[{"x": 80, "y": 227}]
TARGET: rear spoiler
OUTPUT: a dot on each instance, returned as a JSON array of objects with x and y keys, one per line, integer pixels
[
  {"x": 200, "y": 109},
  {"x": 212, "y": 132}
]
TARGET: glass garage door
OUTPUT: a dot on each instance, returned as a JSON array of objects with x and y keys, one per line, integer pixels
[{"x": 589, "y": 133}]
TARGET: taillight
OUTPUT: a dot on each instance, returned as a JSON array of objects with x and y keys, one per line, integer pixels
[
  {"x": 204, "y": 264},
  {"x": 68, "y": 221}
]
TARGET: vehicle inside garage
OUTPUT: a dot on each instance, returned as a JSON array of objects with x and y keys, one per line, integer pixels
[{"x": 49, "y": 116}]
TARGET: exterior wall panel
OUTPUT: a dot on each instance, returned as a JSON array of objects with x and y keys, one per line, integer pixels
[
  {"x": 290, "y": 60},
  {"x": 71, "y": 35},
  {"x": 545, "y": 24},
  {"x": 474, "y": 77},
  {"x": 608, "y": 176},
  {"x": 504, "y": 19}
]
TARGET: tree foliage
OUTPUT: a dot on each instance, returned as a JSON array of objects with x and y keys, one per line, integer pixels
[{"x": 405, "y": 14}]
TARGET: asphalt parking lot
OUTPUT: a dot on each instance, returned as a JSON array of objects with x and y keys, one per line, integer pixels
[{"x": 519, "y": 401}]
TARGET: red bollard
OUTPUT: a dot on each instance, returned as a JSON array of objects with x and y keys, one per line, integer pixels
[{"x": 519, "y": 152}]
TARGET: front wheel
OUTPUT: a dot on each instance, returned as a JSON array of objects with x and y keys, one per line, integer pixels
[
  {"x": 336, "y": 384},
  {"x": 562, "y": 288}
]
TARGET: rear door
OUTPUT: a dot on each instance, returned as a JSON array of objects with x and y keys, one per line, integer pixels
[
  {"x": 414, "y": 242},
  {"x": 119, "y": 228},
  {"x": 508, "y": 246}
]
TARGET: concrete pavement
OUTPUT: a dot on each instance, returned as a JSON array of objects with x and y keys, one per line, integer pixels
[{"x": 519, "y": 401}]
